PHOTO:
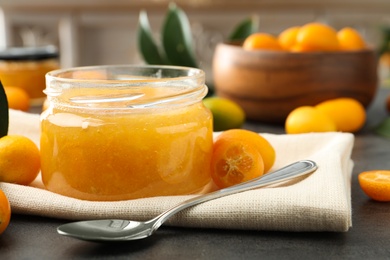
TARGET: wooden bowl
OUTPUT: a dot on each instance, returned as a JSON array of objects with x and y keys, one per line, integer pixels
[{"x": 270, "y": 84}]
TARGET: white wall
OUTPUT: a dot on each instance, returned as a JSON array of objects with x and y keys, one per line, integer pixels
[{"x": 104, "y": 31}]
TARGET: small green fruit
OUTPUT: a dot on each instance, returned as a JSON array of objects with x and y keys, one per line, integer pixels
[{"x": 226, "y": 113}]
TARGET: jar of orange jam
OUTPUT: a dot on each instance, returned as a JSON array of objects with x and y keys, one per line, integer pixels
[
  {"x": 25, "y": 67},
  {"x": 126, "y": 132}
]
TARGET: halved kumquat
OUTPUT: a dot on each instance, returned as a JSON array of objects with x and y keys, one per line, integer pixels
[
  {"x": 235, "y": 161},
  {"x": 265, "y": 148},
  {"x": 376, "y": 184}
]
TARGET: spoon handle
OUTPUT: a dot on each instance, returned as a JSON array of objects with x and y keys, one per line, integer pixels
[{"x": 288, "y": 172}]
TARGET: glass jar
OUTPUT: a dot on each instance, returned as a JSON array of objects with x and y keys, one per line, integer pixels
[
  {"x": 126, "y": 132},
  {"x": 25, "y": 67}
]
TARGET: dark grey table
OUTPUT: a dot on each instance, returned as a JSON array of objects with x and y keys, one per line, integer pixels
[{"x": 32, "y": 237}]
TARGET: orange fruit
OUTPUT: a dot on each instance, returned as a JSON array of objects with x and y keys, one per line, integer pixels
[
  {"x": 5, "y": 212},
  {"x": 376, "y": 184},
  {"x": 350, "y": 39},
  {"x": 266, "y": 150},
  {"x": 261, "y": 41},
  {"x": 19, "y": 159},
  {"x": 226, "y": 113},
  {"x": 287, "y": 38},
  {"x": 316, "y": 37},
  {"x": 235, "y": 161},
  {"x": 17, "y": 98},
  {"x": 308, "y": 119},
  {"x": 348, "y": 113}
]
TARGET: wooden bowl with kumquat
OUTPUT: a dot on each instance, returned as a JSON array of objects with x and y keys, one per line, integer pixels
[{"x": 269, "y": 84}]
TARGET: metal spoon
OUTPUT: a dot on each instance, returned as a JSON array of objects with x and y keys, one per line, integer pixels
[{"x": 122, "y": 230}]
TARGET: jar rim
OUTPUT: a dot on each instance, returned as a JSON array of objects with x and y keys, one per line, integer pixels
[
  {"x": 193, "y": 73},
  {"x": 124, "y": 86}
]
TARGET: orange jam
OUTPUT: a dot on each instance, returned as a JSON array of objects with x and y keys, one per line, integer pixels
[
  {"x": 124, "y": 136},
  {"x": 25, "y": 67}
]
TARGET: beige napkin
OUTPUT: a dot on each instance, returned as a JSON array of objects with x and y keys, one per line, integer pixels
[{"x": 321, "y": 202}]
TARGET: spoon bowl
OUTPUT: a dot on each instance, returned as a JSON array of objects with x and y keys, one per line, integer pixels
[{"x": 124, "y": 230}]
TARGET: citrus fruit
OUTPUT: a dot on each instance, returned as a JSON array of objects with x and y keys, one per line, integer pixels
[
  {"x": 350, "y": 39},
  {"x": 308, "y": 119},
  {"x": 317, "y": 37},
  {"x": 235, "y": 161},
  {"x": 5, "y": 212},
  {"x": 17, "y": 98},
  {"x": 261, "y": 41},
  {"x": 376, "y": 184},
  {"x": 266, "y": 150},
  {"x": 287, "y": 38},
  {"x": 226, "y": 113},
  {"x": 19, "y": 159},
  {"x": 348, "y": 113}
]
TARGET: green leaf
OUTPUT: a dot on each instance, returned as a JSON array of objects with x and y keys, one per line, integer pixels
[
  {"x": 385, "y": 44},
  {"x": 177, "y": 38},
  {"x": 146, "y": 43},
  {"x": 383, "y": 128},
  {"x": 245, "y": 28},
  {"x": 4, "y": 116}
]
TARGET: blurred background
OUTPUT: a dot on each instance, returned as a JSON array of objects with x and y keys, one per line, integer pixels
[{"x": 95, "y": 32}]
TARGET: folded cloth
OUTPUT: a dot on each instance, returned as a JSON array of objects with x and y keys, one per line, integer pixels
[{"x": 320, "y": 202}]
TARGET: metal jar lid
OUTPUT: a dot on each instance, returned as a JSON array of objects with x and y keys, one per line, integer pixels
[{"x": 29, "y": 53}]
